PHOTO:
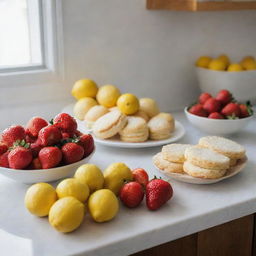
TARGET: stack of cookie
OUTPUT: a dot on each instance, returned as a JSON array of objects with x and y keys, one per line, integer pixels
[
  {"x": 136, "y": 130},
  {"x": 171, "y": 158}
]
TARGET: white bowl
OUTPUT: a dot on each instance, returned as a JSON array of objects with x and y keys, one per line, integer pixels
[
  {"x": 43, "y": 175},
  {"x": 217, "y": 126},
  {"x": 241, "y": 84}
]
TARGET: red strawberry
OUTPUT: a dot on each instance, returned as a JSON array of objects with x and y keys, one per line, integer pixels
[
  {"x": 49, "y": 135},
  {"x": 65, "y": 123},
  {"x": 20, "y": 157},
  {"x": 224, "y": 96},
  {"x": 216, "y": 115},
  {"x": 212, "y": 105},
  {"x": 4, "y": 160},
  {"x": 231, "y": 110},
  {"x": 3, "y": 148},
  {"x": 140, "y": 175},
  {"x": 35, "y": 148},
  {"x": 204, "y": 97},
  {"x": 131, "y": 194},
  {"x": 72, "y": 152},
  {"x": 30, "y": 139},
  {"x": 246, "y": 110},
  {"x": 158, "y": 192},
  {"x": 66, "y": 135},
  {"x": 34, "y": 125},
  {"x": 78, "y": 133},
  {"x": 198, "y": 110},
  {"x": 35, "y": 164},
  {"x": 49, "y": 157},
  {"x": 12, "y": 134},
  {"x": 87, "y": 142}
]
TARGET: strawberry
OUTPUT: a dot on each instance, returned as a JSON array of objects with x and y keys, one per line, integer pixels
[
  {"x": 4, "y": 160},
  {"x": 35, "y": 148},
  {"x": 72, "y": 152},
  {"x": 246, "y": 110},
  {"x": 3, "y": 148},
  {"x": 140, "y": 175},
  {"x": 34, "y": 125},
  {"x": 131, "y": 194},
  {"x": 158, "y": 192},
  {"x": 212, "y": 105},
  {"x": 231, "y": 110},
  {"x": 224, "y": 96},
  {"x": 35, "y": 164},
  {"x": 198, "y": 110},
  {"x": 65, "y": 123},
  {"x": 12, "y": 134},
  {"x": 20, "y": 157},
  {"x": 49, "y": 135},
  {"x": 204, "y": 97},
  {"x": 49, "y": 157},
  {"x": 78, "y": 133},
  {"x": 216, "y": 115},
  {"x": 65, "y": 135},
  {"x": 29, "y": 139},
  {"x": 87, "y": 142}
]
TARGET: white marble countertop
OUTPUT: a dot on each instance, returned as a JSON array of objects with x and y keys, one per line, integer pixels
[{"x": 193, "y": 208}]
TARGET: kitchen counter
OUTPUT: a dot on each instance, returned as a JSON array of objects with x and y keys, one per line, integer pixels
[{"x": 193, "y": 208}]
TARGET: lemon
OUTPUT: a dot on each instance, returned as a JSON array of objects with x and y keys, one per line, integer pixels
[
  {"x": 108, "y": 95},
  {"x": 115, "y": 174},
  {"x": 217, "y": 64},
  {"x": 91, "y": 175},
  {"x": 249, "y": 64},
  {"x": 72, "y": 187},
  {"x": 128, "y": 104},
  {"x": 82, "y": 106},
  {"x": 149, "y": 106},
  {"x": 39, "y": 198},
  {"x": 225, "y": 59},
  {"x": 203, "y": 61},
  {"x": 247, "y": 61},
  {"x": 84, "y": 88},
  {"x": 103, "y": 205},
  {"x": 66, "y": 214},
  {"x": 235, "y": 67}
]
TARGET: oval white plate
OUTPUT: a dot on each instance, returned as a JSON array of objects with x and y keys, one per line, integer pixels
[
  {"x": 43, "y": 175},
  {"x": 116, "y": 142},
  {"x": 189, "y": 179}
]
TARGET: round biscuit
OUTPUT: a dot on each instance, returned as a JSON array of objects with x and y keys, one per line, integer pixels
[{"x": 175, "y": 152}]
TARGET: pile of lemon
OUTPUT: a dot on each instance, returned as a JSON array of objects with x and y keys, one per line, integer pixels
[
  {"x": 90, "y": 189},
  {"x": 223, "y": 63},
  {"x": 88, "y": 94}
]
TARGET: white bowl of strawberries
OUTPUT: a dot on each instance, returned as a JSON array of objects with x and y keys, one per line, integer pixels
[
  {"x": 220, "y": 115},
  {"x": 42, "y": 151}
]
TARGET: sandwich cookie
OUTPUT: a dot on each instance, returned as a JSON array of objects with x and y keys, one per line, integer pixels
[
  {"x": 159, "y": 128},
  {"x": 175, "y": 152},
  {"x": 94, "y": 114},
  {"x": 109, "y": 125},
  {"x": 169, "y": 118}
]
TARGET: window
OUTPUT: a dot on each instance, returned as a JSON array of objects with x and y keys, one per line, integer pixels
[
  {"x": 30, "y": 42},
  {"x": 20, "y": 43}
]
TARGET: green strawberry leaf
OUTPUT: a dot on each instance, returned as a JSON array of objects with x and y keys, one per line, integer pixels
[{"x": 51, "y": 121}]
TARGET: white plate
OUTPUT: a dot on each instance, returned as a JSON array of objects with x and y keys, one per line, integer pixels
[
  {"x": 43, "y": 175},
  {"x": 116, "y": 142},
  {"x": 189, "y": 179}
]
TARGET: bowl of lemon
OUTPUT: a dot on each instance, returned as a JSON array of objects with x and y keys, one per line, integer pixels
[{"x": 215, "y": 74}]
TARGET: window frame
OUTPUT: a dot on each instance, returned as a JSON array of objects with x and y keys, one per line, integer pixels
[{"x": 52, "y": 69}]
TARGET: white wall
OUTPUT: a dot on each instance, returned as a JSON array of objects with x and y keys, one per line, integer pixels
[{"x": 149, "y": 53}]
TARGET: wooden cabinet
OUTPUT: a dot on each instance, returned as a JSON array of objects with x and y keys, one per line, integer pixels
[
  {"x": 203, "y": 5},
  {"x": 234, "y": 238}
]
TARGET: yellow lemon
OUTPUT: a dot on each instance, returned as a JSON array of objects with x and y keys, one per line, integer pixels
[
  {"x": 84, "y": 88},
  {"x": 66, "y": 214},
  {"x": 250, "y": 65},
  {"x": 39, "y": 198},
  {"x": 103, "y": 205},
  {"x": 235, "y": 67},
  {"x": 149, "y": 106},
  {"x": 108, "y": 95},
  {"x": 72, "y": 187},
  {"x": 225, "y": 59},
  {"x": 91, "y": 175},
  {"x": 203, "y": 61},
  {"x": 82, "y": 107},
  {"x": 247, "y": 62},
  {"x": 128, "y": 104},
  {"x": 115, "y": 174},
  {"x": 217, "y": 64}
]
